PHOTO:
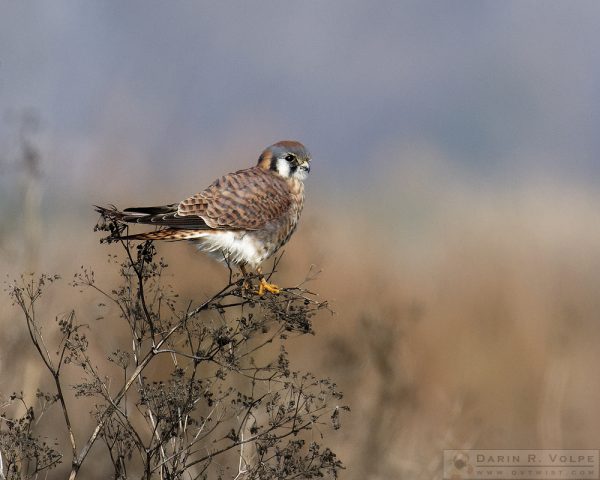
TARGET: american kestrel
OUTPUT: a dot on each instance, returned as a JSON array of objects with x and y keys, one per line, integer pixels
[{"x": 242, "y": 218}]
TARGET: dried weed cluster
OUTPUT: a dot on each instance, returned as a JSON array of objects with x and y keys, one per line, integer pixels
[{"x": 204, "y": 391}]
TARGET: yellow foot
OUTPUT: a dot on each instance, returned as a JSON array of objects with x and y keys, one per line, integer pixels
[{"x": 266, "y": 286}]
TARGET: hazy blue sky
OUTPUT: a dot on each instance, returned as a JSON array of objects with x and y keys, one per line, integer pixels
[{"x": 494, "y": 86}]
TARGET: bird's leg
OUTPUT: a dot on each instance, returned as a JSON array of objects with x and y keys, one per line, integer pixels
[
  {"x": 246, "y": 285},
  {"x": 266, "y": 286}
]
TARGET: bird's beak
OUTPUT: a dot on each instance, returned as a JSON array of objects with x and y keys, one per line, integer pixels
[{"x": 305, "y": 166}]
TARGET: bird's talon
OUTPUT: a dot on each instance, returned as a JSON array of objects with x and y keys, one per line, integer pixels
[{"x": 268, "y": 287}]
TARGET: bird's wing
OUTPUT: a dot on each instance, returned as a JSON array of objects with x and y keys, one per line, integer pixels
[{"x": 244, "y": 200}]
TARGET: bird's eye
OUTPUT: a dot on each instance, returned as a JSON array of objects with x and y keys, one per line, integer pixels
[{"x": 290, "y": 158}]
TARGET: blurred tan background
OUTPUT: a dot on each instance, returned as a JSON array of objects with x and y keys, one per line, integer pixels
[{"x": 453, "y": 204}]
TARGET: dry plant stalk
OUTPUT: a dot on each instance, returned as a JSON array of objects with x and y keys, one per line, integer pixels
[{"x": 222, "y": 411}]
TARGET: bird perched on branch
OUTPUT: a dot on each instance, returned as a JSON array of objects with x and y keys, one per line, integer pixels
[{"x": 242, "y": 218}]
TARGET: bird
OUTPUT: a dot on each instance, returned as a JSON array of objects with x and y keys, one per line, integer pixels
[{"x": 242, "y": 218}]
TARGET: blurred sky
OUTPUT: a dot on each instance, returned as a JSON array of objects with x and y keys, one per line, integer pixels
[{"x": 127, "y": 89}]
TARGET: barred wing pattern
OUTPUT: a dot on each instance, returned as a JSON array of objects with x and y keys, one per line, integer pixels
[{"x": 244, "y": 200}]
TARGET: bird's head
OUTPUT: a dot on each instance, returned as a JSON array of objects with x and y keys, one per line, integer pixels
[{"x": 289, "y": 159}]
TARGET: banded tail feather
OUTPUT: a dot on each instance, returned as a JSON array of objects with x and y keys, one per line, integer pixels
[
  {"x": 162, "y": 216},
  {"x": 168, "y": 234}
]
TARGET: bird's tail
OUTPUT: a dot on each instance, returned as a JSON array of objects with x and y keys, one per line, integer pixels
[
  {"x": 109, "y": 213},
  {"x": 115, "y": 221},
  {"x": 169, "y": 234}
]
